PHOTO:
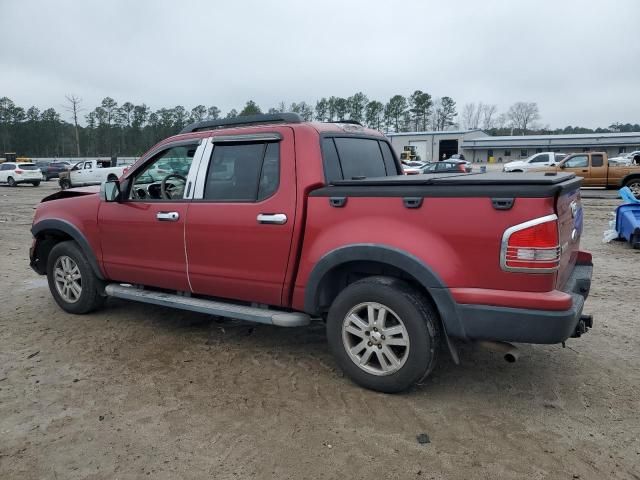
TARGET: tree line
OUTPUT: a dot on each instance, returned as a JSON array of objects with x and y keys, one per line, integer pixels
[{"x": 129, "y": 130}]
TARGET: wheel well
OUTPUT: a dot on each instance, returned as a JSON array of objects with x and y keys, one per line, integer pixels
[
  {"x": 45, "y": 241},
  {"x": 338, "y": 278},
  {"x": 633, "y": 176},
  {"x": 111, "y": 176}
]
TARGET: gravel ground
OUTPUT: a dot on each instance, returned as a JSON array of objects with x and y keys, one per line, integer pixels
[{"x": 133, "y": 391}]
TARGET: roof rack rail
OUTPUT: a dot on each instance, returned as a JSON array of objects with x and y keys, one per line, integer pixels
[
  {"x": 351, "y": 122},
  {"x": 242, "y": 121}
]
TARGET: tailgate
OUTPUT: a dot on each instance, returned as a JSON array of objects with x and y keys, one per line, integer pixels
[{"x": 570, "y": 225}]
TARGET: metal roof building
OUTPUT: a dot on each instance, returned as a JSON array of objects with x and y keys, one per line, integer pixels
[
  {"x": 515, "y": 147},
  {"x": 431, "y": 146},
  {"x": 478, "y": 146}
]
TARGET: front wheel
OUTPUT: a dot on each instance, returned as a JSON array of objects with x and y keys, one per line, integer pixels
[
  {"x": 112, "y": 178},
  {"x": 634, "y": 186},
  {"x": 65, "y": 183},
  {"x": 72, "y": 282},
  {"x": 383, "y": 333}
]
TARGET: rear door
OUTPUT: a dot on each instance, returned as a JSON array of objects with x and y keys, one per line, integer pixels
[
  {"x": 597, "y": 171},
  {"x": 240, "y": 222}
]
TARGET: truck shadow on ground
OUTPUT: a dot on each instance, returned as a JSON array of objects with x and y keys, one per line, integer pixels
[{"x": 304, "y": 352}]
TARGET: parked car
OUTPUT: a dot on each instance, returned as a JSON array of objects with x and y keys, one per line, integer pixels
[
  {"x": 596, "y": 170},
  {"x": 447, "y": 166},
  {"x": 542, "y": 159},
  {"x": 413, "y": 167},
  {"x": 90, "y": 172},
  {"x": 626, "y": 159},
  {"x": 52, "y": 169},
  {"x": 15, "y": 173},
  {"x": 290, "y": 221}
]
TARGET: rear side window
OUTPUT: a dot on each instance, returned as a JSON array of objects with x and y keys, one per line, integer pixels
[
  {"x": 246, "y": 172},
  {"x": 597, "y": 160},
  {"x": 541, "y": 158},
  {"x": 351, "y": 157},
  {"x": 28, "y": 166}
]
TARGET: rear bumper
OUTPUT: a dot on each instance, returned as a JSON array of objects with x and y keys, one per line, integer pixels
[{"x": 524, "y": 325}]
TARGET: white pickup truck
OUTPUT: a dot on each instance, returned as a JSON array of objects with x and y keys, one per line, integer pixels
[
  {"x": 90, "y": 172},
  {"x": 542, "y": 159}
]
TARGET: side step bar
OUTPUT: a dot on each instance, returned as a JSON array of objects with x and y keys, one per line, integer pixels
[{"x": 241, "y": 312}]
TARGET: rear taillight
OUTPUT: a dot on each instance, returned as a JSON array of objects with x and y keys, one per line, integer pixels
[
  {"x": 461, "y": 168},
  {"x": 531, "y": 246},
  {"x": 18, "y": 171}
]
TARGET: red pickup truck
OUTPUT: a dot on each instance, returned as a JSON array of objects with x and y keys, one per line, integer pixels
[{"x": 275, "y": 220}]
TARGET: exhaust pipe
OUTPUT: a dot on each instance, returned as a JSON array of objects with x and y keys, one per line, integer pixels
[{"x": 510, "y": 352}]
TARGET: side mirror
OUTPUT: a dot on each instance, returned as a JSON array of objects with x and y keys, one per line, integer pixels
[
  {"x": 562, "y": 165},
  {"x": 110, "y": 191}
]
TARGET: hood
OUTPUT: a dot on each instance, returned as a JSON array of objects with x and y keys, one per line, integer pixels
[
  {"x": 72, "y": 192},
  {"x": 515, "y": 163}
]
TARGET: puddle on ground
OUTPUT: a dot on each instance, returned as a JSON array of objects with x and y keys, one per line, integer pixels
[{"x": 35, "y": 283}]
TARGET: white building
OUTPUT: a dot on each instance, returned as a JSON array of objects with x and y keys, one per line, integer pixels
[{"x": 478, "y": 146}]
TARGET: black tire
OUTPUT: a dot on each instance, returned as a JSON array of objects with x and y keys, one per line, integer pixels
[
  {"x": 65, "y": 183},
  {"x": 36, "y": 184},
  {"x": 418, "y": 316},
  {"x": 11, "y": 182},
  {"x": 634, "y": 186},
  {"x": 91, "y": 296},
  {"x": 112, "y": 178}
]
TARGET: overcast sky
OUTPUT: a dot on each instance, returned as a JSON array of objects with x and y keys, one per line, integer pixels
[{"x": 579, "y": 60}]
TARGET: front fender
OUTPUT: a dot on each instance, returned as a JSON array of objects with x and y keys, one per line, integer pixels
[{"x": 52, "y": 226}]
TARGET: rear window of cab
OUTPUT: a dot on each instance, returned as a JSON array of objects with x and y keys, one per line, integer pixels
[{"x": 348, "y": 158}]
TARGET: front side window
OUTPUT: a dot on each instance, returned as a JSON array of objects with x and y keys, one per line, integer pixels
[
  {"x": 579, "y": 161},
  {"x": 165, "y": 177},
  {"x": 88, "y": 165},
  {"x": 243, "y": 172}
]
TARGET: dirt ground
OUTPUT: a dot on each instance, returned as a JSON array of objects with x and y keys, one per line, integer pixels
[{"x": 136, "y": 391}]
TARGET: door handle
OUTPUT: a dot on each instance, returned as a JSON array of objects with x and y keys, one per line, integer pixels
[
  {"x": 168, "y": 216},
  {"x": 274, "y": 218}
]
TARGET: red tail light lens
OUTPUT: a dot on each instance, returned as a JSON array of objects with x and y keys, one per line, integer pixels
[
  {"x": 461, "y": 167},
  {"x": 531, "y": 246},
  {"x": 17, "y": 170}
]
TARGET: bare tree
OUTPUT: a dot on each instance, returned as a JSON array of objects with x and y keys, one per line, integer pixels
[
  {"x": 522, "y": 115},
  {"x": 470, "y": 116},
  {"x": 74, "y": 107},
  {"x": 488, "y": 116}
]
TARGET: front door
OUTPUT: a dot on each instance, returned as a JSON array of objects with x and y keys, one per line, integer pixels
[
  {"x": 240, "y": 223},
  {"x": 578, "y": 164},
  {"x": 142, "y": 237}
]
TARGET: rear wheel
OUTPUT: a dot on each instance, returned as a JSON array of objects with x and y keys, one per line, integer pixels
[
  {"x": 383, "y": 333},
  {"x": 35, "y": 184},
  {"x": 634, "y": 186},
  {"x": 11, "y": 182},
  {"x": 72, "y": 282}
]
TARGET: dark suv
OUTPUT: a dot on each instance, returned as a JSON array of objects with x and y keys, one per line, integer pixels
[{"x": 53, "y": 169}]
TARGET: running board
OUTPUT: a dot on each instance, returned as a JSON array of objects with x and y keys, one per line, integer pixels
[{"x": 259, "y": 315}]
